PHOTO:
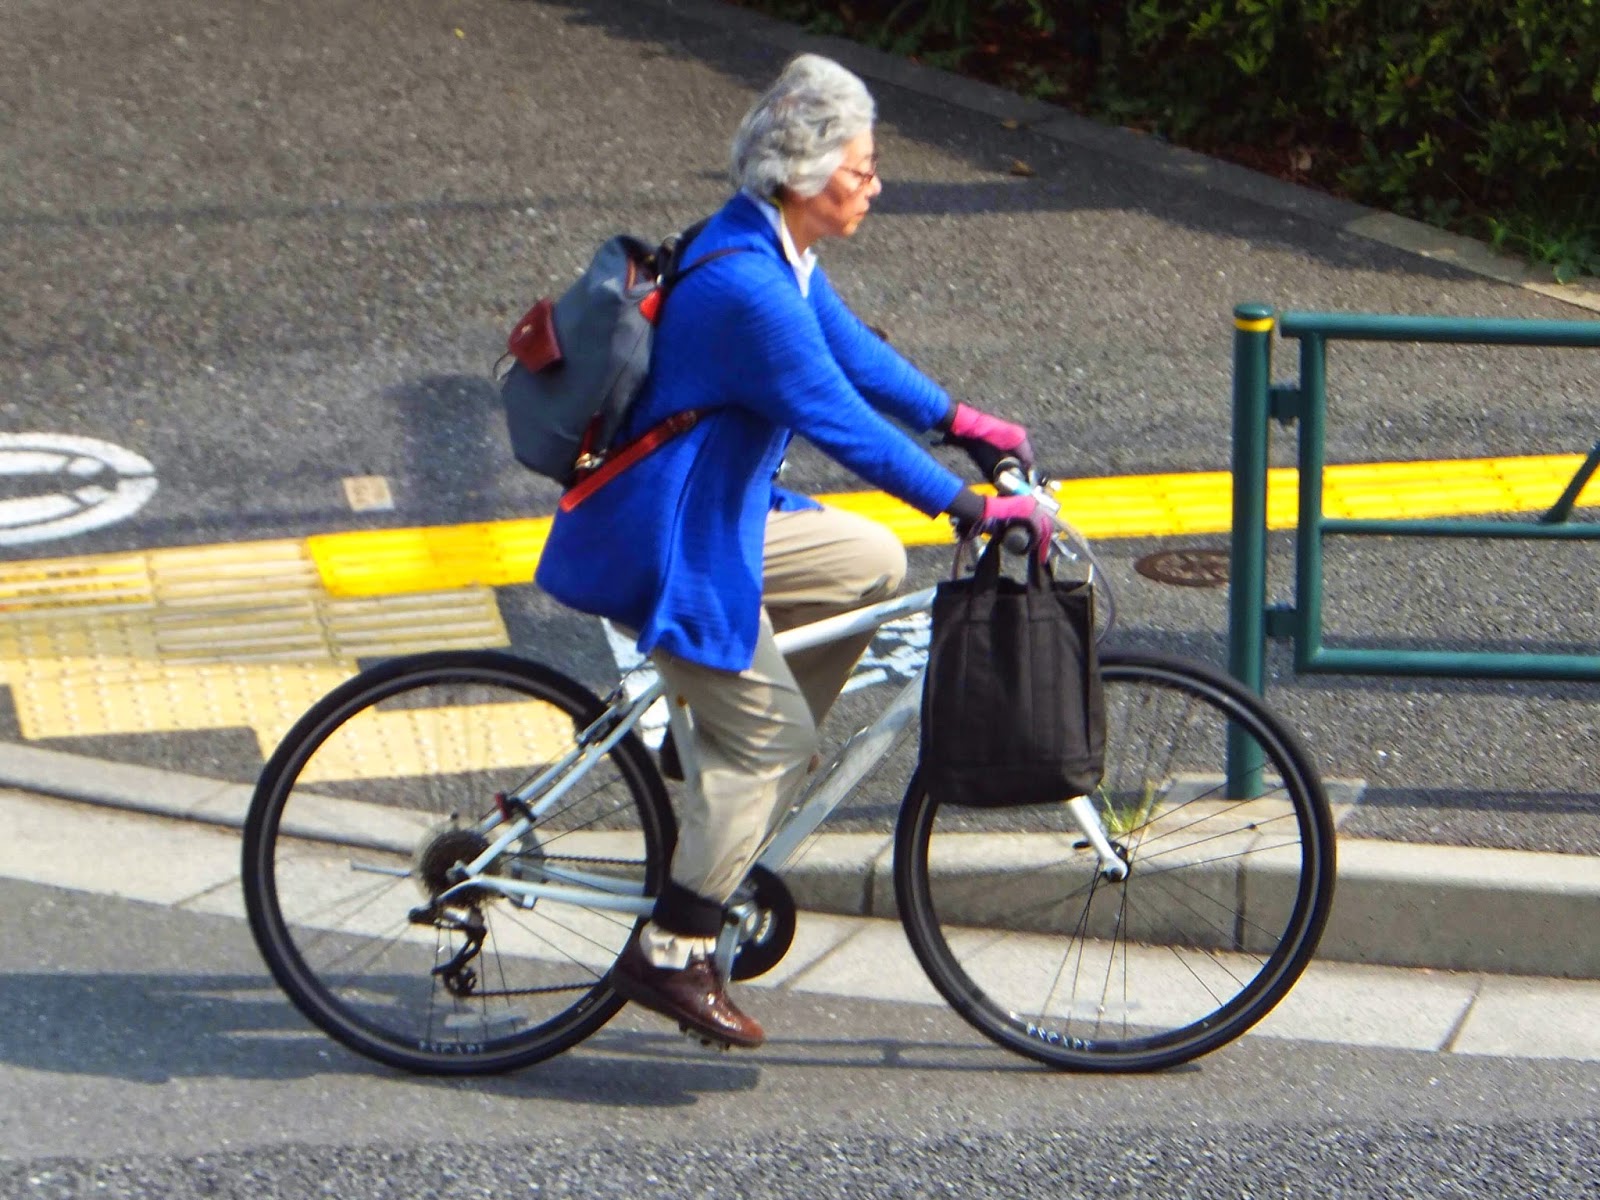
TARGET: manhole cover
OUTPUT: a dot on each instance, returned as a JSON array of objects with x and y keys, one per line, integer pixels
[{"x": 1185, "y": 568}]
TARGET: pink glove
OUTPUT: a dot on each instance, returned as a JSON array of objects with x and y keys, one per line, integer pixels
[
  {"x": 1000, "y": 511},
  {"x": 988, "y": 439}
]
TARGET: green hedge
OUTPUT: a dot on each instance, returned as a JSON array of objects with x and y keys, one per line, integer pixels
[
  {"x": 1481, "y": 115},
  {"x": 1482, "y": 112}
]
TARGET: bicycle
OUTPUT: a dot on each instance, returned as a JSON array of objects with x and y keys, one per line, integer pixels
[{"x": 447, "y": 852}]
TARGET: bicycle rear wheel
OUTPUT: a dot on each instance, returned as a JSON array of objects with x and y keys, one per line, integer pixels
[
  {"x": 1221, "y": 910},
  {"x": 368, "y": 805}
]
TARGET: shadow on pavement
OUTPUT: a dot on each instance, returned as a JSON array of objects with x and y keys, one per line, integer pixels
[
  {"x": 454, "y": 435},
  {"x": 866, "y": 1051},
  {"x": 1064, "y": 178},
  {"x": 155, "y": 1028}
]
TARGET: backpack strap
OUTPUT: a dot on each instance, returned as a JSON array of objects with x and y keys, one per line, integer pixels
[
  {"x": 617, "y": 462},
  {"x": 650, "y": 306},
  {"x": 674, "y": 277}
]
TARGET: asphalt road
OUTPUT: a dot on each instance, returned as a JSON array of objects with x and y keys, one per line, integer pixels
[
  {"x": 145, "y": 1053},
  {"x": 273, "y": 246}
]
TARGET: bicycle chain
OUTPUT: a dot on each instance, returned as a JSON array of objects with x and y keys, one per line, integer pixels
[
  {"x": 589, "y": 858},
  {"x": 539, "y": 991}
]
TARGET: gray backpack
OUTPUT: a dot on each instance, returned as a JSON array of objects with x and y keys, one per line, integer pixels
[{"x": 578, "y": 363}]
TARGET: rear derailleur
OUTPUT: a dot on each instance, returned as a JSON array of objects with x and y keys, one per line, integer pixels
[{"x": 458, "y": 978}]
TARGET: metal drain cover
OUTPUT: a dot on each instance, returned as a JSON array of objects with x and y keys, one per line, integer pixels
[{"x": 1185, "y": 568}]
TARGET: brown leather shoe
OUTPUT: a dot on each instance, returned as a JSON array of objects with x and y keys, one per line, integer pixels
[{"x": 693, "y": 996}]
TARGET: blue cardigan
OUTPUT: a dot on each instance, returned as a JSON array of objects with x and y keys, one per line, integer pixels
[{"x": 672, "y": 547}]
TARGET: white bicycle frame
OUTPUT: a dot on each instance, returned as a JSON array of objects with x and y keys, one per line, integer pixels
[{"x": 820, "y": 796}]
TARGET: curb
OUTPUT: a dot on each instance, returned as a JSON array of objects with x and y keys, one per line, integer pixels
[
  {"x": 1396, "y": 904},
  {"x": 1127, "y": 145}
]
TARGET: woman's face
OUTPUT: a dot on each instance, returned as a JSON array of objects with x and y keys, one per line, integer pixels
[{"x": 842, "y": 204}]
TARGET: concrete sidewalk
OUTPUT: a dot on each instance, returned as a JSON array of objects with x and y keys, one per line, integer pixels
[
  {"x": 1396, "y": 904},
  {"x": 193, "y": 867}
]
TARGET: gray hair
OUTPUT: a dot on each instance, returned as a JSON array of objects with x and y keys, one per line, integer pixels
[{"x": 795, "y": 135}]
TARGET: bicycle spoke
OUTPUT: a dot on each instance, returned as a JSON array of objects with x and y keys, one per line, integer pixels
[
  {"x": 1210, "y": 818},
  {"x": 1169, "y": 961},
  {"x": 603, "y": 946},
  {"x": 1111, "y": 963},
  {"x": 322, "y": 933},
  {"x": 380, "y": 946},
  {"x": 422, "y": 746}
]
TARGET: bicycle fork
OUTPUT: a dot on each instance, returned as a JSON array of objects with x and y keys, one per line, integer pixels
[{"x": 1112, "y": 864}]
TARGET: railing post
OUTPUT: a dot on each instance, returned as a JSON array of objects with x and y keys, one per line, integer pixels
[
  {"x": 1307, "y": 612},
  {"x": 1562, "y": 508},
  {"x": 1247, "y": 567}
]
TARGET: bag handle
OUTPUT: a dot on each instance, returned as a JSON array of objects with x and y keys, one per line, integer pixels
[{"x": 987, "y": 570}]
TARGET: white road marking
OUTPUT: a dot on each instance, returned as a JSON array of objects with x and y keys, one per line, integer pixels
[
  {"x": 95, "y": 484},
  {"x": 898, "y": 651},
  {"x": 368, "y": 493}
]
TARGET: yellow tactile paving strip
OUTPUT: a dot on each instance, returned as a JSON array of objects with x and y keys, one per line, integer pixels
[
  {"x": 389, "y": 561},
  {"x": 492, "y": 555},
  {"x": 434, "y": 741},
  {"x": 250, "y": 634},
  {"x": 1199, "y": 503},
  {"x": 208, "y": 637}
]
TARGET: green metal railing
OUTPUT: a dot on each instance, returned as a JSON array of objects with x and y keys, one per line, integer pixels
[{"x": 1256, "y": 401}]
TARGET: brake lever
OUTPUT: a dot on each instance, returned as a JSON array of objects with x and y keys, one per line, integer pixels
[{"x": 1012, "y": 480}]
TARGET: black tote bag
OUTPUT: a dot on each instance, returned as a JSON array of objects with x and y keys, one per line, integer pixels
[{"x": 1012, "y": 712}]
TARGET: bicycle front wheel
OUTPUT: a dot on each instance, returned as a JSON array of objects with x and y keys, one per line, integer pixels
[
  {"x": 1223, "y": 904},
  {"x": 361, "y": 819}
]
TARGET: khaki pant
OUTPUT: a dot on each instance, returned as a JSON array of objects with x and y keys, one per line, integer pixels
[{"x": 756, "y": 730}]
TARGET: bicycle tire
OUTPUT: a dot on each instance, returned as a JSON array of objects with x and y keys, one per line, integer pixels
[
  {"x": 1022, "y": 936},
  {"x": 373, "y": 784}
]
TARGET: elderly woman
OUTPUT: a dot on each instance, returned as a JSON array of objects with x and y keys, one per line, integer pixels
[{"x": 698, "y": 550}]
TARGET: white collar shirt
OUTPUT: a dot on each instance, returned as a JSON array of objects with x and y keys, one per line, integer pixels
[{"x": 803, "y": 264}]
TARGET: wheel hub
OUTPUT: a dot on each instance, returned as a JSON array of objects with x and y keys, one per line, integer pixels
[{"x": 440, "y": 852}]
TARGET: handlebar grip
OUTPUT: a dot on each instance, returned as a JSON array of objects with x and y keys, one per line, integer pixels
[{"x": 1018, "y": 537}]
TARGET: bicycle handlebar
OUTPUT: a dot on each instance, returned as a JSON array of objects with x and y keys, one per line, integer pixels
[{"x": 1010, "y": 479}]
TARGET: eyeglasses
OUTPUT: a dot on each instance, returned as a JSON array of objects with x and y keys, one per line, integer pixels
[{"x": 863, "y": 178}]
